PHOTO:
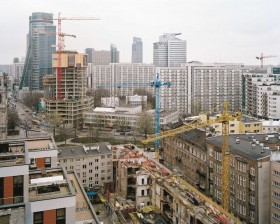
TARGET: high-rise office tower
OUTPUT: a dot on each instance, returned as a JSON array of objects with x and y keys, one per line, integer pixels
[
  {"x": 137, "y": 50},
  {"x": 40, "y": 47},
  {"x": 115, "y": 54},
  {"x": 89, "y": 52},
  {"x": 170, "y": 51}
]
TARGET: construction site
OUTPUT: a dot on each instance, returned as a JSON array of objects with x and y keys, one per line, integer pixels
[
  {"x": 148, "y": 192},
  {"x": 68, "y": 100}
]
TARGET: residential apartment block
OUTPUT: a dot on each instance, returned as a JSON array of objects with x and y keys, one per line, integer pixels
[
  {"x": 92, "y": 163},
  {"x": 199, "y": 160},
  {"x": 255, "y": 91},
  {"x": 195, "y": 87},
  {"x": 3, "y": 107},
  {"x": 34, "y": 190}
]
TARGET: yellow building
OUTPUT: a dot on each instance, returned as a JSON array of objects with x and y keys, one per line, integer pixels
[{"x": 238, "y": 126}]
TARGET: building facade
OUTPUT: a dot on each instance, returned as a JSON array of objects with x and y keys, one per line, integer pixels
[
  {"x": 252, "y": 98},
  {"x": 73, "y": 88},
  {"x": 115, "y": 54},
  {"x": 43, "y": 193},
  {"x": 3, "y": 107},
  {"x": 40, "y": 47},
  {"x": 89, "y": 53},
  {"x": 170, "y": 51},
  {"x": 137, "y": 50},
  {"x": 92, "y": 163}
]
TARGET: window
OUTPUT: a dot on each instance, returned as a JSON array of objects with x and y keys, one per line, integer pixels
[
  {"x": 84, "y": 174},
  {"x": 96, "y": 182},
  {"x": 108, "y": 178},
  {"x": 84, "y": 166},
  {"x": 96, "y": 175},
  {"x": 96, "y": 160},
  {"x": 90, "y": 179},
  {"x": 108, "y": 156},
  {"x": 96, "y": 168},
  {"x": 102, "y": 164},
  {"x": 48, "y": 162},
  {"x": 60, "y": 216},
  {"x": 90, "y": 185},
  {"x": 252, "y": 185},
  {"x": 108, "y": 163},
  {"x": 102, "y": 157},
  {"x": 77, "y": 160},
  {"x": 84, "y": 181},
  {"x": 252, "y": 200},
  {"x": 90, "y": 171},
  {"x": 38, "y": 218},
  {"x": 102, "y": 171},
  {"x": 102, "y": 178},
  {"x": 90, "y": 164},
  {"x": 108, "y": 171},
  {"x": 252, "y": 171}
]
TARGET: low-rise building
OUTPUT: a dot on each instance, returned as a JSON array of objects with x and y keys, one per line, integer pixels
[
  {"x": 127, "y": 114},
  {"x": 137, "y": 100},
  {"x": 270, "y": 126},
  {"x": 246, "y": 124},
  {"x": 92, "y": 163}
]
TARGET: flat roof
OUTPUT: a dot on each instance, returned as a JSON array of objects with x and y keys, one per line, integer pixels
[
  {"x": 104, "y": 109},
  {"x": 84, "y": 210},
  {"x": 245, "y": 148},
  {"x": 78, "y": 151},
  {"x": 56, "y": 186}
]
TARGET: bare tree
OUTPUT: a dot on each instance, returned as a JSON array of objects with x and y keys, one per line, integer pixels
[
  {"x": 54, "y": 120},
  {"x": 145, "y": 124},
  {"x": 13, "y": 119},
  {"x": 97, "y": 95},
  {"x": 151, "y": 100},
  {"x": 32, "y": 99}
]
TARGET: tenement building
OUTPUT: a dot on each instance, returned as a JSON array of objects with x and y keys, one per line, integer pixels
[{"x": 92, "y": 163}]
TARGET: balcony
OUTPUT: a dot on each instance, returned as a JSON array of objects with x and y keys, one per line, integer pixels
[{"x": 11, "y": 201}]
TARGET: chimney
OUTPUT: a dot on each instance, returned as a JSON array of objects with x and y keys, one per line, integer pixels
[{"x": 237, "y": 140}]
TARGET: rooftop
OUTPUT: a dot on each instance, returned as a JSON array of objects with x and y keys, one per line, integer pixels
[
  {"x": 84, "y": 210},
  {"x": 196, "y": 137},
  {"x": 85, "y": 150},
  {"x": 48, "y": 184},
  {"x": 253, "y": 147}
]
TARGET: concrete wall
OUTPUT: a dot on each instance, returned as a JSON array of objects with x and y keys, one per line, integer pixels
[
  {"x": 264, "y": 192},
  {"x": 37, "y": 206}
]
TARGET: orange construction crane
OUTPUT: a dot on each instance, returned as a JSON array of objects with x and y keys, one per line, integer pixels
[
  {"x": 262, "y": 57},
  {"x": 60, "y": 47}
]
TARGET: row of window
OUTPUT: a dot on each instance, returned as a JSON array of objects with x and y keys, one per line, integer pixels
[{"x": 84, "y": 159}]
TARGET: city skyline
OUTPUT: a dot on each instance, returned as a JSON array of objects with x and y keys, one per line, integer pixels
[{"x": 217, "y": 31}]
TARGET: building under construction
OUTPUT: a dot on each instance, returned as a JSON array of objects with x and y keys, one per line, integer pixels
[{"x": 67, "y": 97}]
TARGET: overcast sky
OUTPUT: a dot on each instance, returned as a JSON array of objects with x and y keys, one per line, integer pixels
[{"x": 215, "y": 30}]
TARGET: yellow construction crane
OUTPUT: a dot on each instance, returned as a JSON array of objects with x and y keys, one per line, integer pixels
[{"x": 224, "y": 119}]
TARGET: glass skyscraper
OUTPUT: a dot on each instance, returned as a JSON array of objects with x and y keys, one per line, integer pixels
[
  {"x": 170, "y": 51},
  {"x": 137, "y": 50},
  {"x": 115, "y": 54},
  {"x": 41, "y": 41}
]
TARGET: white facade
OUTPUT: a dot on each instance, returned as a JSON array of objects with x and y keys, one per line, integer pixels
[
  {"x": 253, "y": 96},
  {"x": 268, "y": 101},
  {"x": 170, "y": 51},
  {"x": 271, "y": 126},
  {"x": 110, "y": 101},
  {"x": 210, "y": 85},
  {"x": 136, "y": 100}
]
